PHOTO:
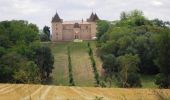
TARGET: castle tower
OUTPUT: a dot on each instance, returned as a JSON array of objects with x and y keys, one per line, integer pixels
[
  {"x": 56, "y": 28},
  {"x": 92, "y": 20}
]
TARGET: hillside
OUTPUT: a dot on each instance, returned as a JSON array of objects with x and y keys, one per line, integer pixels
[
  {"x": 83, "y": 76},
  {"x": 44, "y": 92},
  {"x": 81, "y": 65}
]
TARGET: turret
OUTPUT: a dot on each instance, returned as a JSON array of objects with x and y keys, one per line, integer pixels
[
  {"x": 56, "y": 28},
  {"x": 92, "y": 20},
  {"x": 56, "y": 18}
]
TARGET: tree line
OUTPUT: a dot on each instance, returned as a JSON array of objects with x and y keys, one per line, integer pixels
[
  {"x": 23, "y": 59},
  {"x": 132, "y": 46}
]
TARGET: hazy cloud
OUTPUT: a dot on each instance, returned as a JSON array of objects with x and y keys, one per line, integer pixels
[
  {"x": 40, "y": 12},
  {"x": 157, "y": 3}
]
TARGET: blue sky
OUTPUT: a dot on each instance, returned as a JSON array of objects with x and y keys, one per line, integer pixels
[{"x": 40, "y": 12}]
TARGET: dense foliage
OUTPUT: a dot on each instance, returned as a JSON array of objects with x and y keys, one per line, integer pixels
[
  {"x": 71, "y": 79},
  {"x": 93, "y": 63},
  {"x": 134, "y": 42},
  {"x": 45, "y": 34},
  {"x": 22, "y": 58},
  {"x": 163, "y": 59}
]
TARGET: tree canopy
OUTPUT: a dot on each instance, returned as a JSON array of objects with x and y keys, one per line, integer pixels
[
  {"x": 135, "y": 36},
  {"x": 20, "y": 51}
]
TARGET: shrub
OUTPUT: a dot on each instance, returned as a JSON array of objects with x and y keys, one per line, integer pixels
[
  {"x": 71, "y": 80},
  {"x": 93, "y": 63},
  {"x": 134, "y": 80}
]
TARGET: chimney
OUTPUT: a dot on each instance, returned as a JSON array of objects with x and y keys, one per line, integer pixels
[{"x": 82, "y": 20}]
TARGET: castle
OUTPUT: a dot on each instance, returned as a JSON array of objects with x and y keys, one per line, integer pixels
[{"x": 70, "y": 30}]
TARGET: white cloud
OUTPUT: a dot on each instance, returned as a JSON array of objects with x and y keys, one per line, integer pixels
[
  {"x": 40, "y": 12},
  {"x": 157, "y": 3}
]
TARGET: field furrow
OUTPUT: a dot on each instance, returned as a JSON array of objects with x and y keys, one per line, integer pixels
[{"x": 45, "y": 92}]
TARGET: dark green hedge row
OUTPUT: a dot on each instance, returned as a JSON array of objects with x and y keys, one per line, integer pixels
[
  {"x": 96, "y": 74},
  {"x": 71, "y": 80}
]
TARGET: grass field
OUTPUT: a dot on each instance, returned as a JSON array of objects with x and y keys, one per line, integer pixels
[
  {"x": 83, "y": 76},
  {"x": 81, "y": 65},
  {"x": 82, "y": 69},
  {"x": 60, "y": 72},
  {"x": 45, "y": 92},
  {"x": 148, "y": 81},
  {"x": 97, "y": 59}
]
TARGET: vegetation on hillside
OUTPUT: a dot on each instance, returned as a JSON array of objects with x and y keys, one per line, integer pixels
[
  {"x": 71, "y": 80},
  {"x": 45, "y": 34},
  {"x": 22, "y": 58},
  {"x": 131, "y": 49},
  {"x": 134, "y": 46},
  {"x": 93, "y": 64}
]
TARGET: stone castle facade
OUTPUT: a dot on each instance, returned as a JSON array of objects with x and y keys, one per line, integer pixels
[{"x": 70, "y": 30}]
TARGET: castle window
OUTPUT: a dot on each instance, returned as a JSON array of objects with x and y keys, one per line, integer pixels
[{"x": 86, "y": 27}]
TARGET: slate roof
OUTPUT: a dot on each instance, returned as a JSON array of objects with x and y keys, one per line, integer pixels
[
  {"x": 56, "y": 18},
  {"x": 93, "y": 17}
]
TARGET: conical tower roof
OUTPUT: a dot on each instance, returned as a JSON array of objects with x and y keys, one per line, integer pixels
[
  {"x": 93, "y": 17},
  {"x": 56, "y": 18}
]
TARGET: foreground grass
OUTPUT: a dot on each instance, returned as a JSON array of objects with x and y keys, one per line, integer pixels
[{"x": 46, "y": 92}]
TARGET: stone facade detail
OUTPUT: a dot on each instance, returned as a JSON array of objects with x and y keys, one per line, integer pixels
[{"x": 70, "y": 30}]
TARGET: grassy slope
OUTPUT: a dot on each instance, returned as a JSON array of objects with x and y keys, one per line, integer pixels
[
  {"x": 44, "y": 92},
  {"x": 60, "y": 72},
  {"x": 82, "y": 70},
  {"x": 97, "y": 59}
]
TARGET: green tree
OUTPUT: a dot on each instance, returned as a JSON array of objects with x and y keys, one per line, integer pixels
[
  {"x": 109, "y": 65},
  {"x": 123, "y": 15},
  {"x": 163, "y": 59},
  {"x": 102, "y": 27},
  {"x": 45, "y": 35},
  {"x": 128, "y": 67},
  {"x": 44, "y": 60},
  {"x": 19, "y": 51},
  {"x": 27, "y": 73}
]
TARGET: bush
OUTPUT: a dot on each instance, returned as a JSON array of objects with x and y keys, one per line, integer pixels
[
  {"x": 71, "y": 80},
  {"x": 128, "y": 67},
  {"x": 93, "y": 63},
  {"x": 134, "y": 80},
  {"x": 163, "y": 81}
]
